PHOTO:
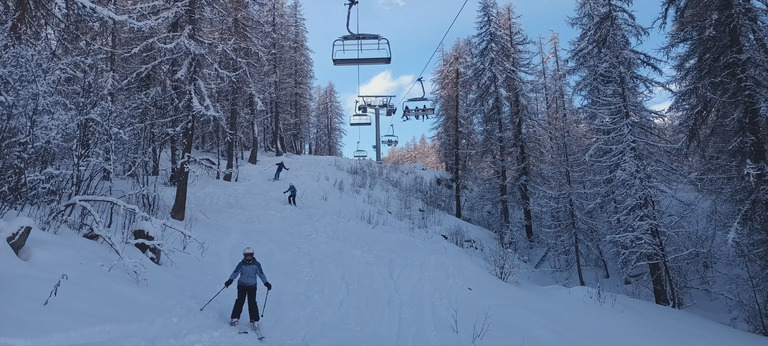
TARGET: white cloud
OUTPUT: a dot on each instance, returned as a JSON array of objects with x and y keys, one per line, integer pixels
[
  {"x": 386, "y": 3},
  {"x": 384, "y": 84}
]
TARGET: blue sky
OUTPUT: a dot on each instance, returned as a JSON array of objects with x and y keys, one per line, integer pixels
[{"x": 414, "y": 29}]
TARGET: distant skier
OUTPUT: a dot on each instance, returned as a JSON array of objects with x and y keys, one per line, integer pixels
[
  {"x": 248, "y": 269},
  {"x": 280, "y": 167},
  {"x": 292, "y": 195}
]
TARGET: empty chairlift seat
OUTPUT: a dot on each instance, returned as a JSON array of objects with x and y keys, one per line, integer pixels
[
  {"x": 360, "y": 119},
  {"x": 360, "y": 154},
  {"x": 361, "y": 49}
]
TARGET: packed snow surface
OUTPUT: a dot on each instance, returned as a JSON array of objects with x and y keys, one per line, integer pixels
[{"x": 338, "y": 279}]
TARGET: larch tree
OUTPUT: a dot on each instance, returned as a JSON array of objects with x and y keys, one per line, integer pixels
[
  {"x": 558, "y": 167},
  {"x": 517, "y": 57},
  {"x": 274, "y": 33},
  {"x": 299, "y": 78},
  {"x": 191, "y": 86},
  {"x": 29, "y": 106},
  {"x": 454, "y": 124},
  {"x": 490, "y": 95},
  {"x": 241, "y": 61},
  {"x": 328, "y": 122},
  {"x": 719, "y": 50},
  {"x": 625, "y": 153}
]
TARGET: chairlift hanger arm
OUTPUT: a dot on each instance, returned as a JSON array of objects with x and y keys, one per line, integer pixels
[
  {"x": 421, "y": 81},
  {"x": 349, "y": 12}
]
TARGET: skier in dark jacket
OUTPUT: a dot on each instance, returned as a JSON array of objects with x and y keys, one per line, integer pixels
[
  {"x": 280, "y": 167},
  {"x": 292, "y": 195},
  {"x": 248, "y": 269}
]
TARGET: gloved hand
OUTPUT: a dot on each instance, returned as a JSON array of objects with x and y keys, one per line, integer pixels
[
  {"x": 268, "y": 285},
  {"x": 229, "y": 282}
]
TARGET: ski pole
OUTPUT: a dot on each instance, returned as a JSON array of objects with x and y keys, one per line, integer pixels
[
  {"x": 265, "y": 304},
  {"x": 217, "y": 293}
]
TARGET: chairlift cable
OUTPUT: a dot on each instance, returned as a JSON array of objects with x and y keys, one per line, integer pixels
[{"x": 437, "y": 48}]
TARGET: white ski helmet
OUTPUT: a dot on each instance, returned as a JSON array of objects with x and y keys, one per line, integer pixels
[{"x": 248, "y": 250}]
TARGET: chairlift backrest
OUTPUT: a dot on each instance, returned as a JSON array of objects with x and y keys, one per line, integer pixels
[
  {"x": 360, "y": 154},
  {"x": 360, "y": 120}
]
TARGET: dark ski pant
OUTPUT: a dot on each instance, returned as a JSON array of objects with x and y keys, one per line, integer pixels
[
  {"x": 277, "y": 174},
  {"x": 253, "y": 308},
  {"x": 292, "y": 199}
]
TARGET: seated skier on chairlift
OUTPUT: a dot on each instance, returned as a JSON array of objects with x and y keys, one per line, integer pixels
[
  {"x": 405, "y": 113},
  {"x": 416, "y": 112}
]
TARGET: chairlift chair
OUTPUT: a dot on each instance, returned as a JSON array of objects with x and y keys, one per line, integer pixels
[
  {"x": 411, "y": 105},
  {"x": 360, "y": 119},
  {"x": 360, "y": 49},
  {"x": 360, "y": 153},
  {"x": 389, "y": 139}
]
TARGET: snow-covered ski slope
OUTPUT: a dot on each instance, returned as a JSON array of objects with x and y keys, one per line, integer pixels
[{"x": 344, "y": 272}]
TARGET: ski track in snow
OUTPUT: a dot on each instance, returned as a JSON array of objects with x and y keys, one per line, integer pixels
[{"x": 383, "y": 279}]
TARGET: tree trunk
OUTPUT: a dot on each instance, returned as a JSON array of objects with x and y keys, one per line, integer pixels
[
  {"x": 179, "y": 205},
  {"x": 657, "y": 277},
  {"x": 178, "y": 210},
  {"x": 503, "y": 190},
  {"x": 525, "y": 195},
  {"x": 657, "y": 274},
  {"x": 174, "y": 153},
  {"x": 232, "y": 133},
  {"x": 253, "y": 157},
  {"x": 276, "y": 129},
  {"x": 456, "y": 151},
  {"x": 572, "y": 219},
  {"x": 522, "y": 162},
  {"x": 217, "y": 144}
]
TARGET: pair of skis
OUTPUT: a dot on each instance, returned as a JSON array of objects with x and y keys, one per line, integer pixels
[{"x": 255, "y": 330}]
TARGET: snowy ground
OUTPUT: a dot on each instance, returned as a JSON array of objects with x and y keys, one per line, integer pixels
[{"x": 337, "y": 280}]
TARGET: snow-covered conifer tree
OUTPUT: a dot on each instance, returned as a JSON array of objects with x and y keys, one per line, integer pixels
[
  {"x": 719, "y": 49},
  {"x": 454, "y": 123},
  {"x": 517, "y": 57},
  {"x": 328, "y": 122},
  {"x": 626, "y": 172},
  {"x": 299, "y": 78},
  {"x": 274, "y": 33},
  {"x": 490, "y": 70}
]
